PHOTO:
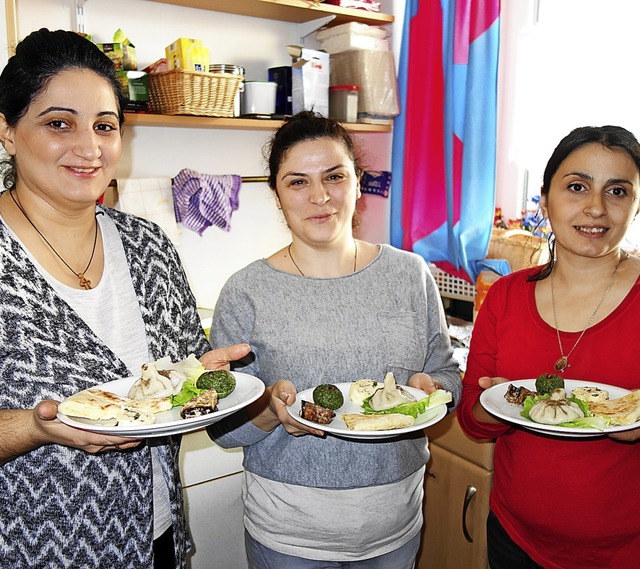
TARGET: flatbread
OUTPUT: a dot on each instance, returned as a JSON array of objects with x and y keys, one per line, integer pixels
[
  {"x": 100, "y": 405},
  {"x": 360, "y": 422},
  {"x": 622, "y": 411}
]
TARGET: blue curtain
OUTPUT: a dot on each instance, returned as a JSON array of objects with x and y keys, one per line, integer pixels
[{"x": 444, "y": 142}]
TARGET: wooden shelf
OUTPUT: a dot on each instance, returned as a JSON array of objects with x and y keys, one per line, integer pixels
[
  {"x": 296, "y": 11},
  {"x": 180, "y": 121}
]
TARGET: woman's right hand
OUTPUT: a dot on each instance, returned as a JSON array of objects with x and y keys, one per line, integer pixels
[
  {"x": 49, "y": 429},
  {"x": 24, "y": 430},
  {"x": 479, "y": 412},
  {"x": 273, "y": 410},
  {"x": 486, "y": 382}
]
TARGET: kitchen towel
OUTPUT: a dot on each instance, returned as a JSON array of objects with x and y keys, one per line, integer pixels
[
  {"x": 150, "y": 198},
  {"x": 202, "y": 200}
]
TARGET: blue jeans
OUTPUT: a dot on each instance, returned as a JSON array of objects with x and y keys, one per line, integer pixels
[{"x": 261, "y": 557}]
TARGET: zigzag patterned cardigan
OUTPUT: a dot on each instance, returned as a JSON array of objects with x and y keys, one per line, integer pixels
[{"x": 61, "y": 507}]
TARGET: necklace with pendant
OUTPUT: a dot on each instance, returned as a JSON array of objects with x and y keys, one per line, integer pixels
[
  {"x": 355, "y": 258},
  {"x": 83, "y": 281},
  {"x": 562, "y": 362}
]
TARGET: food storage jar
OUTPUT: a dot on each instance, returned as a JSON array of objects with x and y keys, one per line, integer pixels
[
  {"x": 343, "y": 102},
  {"x": 259, "y": 98},
  {"x": 233, "y": 70}
]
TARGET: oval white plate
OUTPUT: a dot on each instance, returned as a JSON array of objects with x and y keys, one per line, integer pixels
[
  {"x": 248, "y": 389},
  {"x": 493, "y": 400},
  {"x": 339, "y": 428}
]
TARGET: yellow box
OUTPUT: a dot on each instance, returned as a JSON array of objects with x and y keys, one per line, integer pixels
[
  {"x": 187, "y": 54},
  {"x": 122, "y": 55}
]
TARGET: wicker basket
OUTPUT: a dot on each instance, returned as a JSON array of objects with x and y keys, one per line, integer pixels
[
  {"x": 179, "y": 92},
  {"x": 521, "y": 248}
]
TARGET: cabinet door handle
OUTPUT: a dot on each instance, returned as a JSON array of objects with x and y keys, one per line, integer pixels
[{"x": 468, "y": 495}]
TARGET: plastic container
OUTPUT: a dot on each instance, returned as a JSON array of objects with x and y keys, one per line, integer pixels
[
  {"x": 483, "y": 284},
  {"x": 343, "y": 103},
  {"x": 259, "y": 98}
]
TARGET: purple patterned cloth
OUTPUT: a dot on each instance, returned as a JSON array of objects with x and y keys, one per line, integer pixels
[{"x": 202, "y": 200}]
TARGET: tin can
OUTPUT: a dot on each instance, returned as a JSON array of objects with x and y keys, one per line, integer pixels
[{"x": 233, "y": 70}]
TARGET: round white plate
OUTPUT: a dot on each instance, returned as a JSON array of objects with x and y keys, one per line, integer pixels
[
  {"x": 493, "y": 400},
  {"x": 248, "y": 389},
  {"x": 339, "y": 428}
]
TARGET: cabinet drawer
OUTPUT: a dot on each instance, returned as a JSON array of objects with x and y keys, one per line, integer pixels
[{"x": 449, "y": 525}]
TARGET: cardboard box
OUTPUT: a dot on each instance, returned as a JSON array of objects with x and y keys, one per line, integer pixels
[
  {"x": 310, "y": 77},
  {"x": 122, "y": 55},
  {"x": 353, "y": 35},
  {"x": 188, "y": 54},
  {"x": 370, "y": 5},
  {"x": 135, "y": 85}
]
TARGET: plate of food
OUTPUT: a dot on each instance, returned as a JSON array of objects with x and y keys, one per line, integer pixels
[
  {"x": 564, "y": 407},
  {"x": 368, "y": 409},
  {"x": 163, "y": 401}
]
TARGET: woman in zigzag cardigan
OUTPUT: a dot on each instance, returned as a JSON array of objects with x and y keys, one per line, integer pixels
[{"x": 87, "y": 295}]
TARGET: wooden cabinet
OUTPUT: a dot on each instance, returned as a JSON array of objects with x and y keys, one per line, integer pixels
[{"x": 457, "y": 487}]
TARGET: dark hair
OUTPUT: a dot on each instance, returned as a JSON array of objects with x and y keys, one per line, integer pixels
[
  {"x": 306, "y": 125},
  {"x": 611, "y": 137},
  {"x": 40, "y": 57}
]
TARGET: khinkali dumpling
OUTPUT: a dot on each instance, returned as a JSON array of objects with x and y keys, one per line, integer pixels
[
  {"x": 555, "y": 409},
  {"x": 163, "y": 378},
  {"x": 389, "y": 395}
]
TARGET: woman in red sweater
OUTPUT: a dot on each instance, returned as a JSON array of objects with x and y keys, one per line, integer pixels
[{"x": 566, "y": 502}]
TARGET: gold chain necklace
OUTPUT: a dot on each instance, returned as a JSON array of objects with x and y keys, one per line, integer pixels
[
  {"x": 562, "y": 362},
  {"x": 84, "y": 282},
  {"x": 355, "y": 258}
]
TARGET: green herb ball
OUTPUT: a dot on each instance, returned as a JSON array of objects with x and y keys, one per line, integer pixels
[
  {"x": 220, "y": 379},
  {"x": 547, "y": 382},
  {"x": 329, "y": 396}
]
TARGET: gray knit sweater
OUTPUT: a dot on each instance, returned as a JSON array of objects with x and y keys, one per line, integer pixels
[{"x": 385, "y": 317}]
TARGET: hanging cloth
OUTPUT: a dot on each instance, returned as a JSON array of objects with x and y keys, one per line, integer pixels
[{"x": 202, "y": 200}]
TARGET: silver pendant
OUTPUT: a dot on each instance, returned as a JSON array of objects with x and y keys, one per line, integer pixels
[{"x": 561, "y": 364}]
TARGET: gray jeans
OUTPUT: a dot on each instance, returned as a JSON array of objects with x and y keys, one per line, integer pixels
[{"x": 261, "y": 557}]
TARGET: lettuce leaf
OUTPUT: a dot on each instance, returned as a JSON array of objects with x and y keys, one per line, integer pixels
[
  {"x": 188, "y": 391},
  {"x": 413, "y": 408}
]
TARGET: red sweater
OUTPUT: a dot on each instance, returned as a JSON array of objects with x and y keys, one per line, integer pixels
[{"x": 570, "y": 503}]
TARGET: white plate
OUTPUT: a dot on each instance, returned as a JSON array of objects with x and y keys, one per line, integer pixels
[
  {"x": 339, "y": 428},
  {"x": 493, "y": 400},
  {"x": 248, "y": 389}
]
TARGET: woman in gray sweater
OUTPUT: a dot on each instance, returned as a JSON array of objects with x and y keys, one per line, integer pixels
[{"x": 329, "y": 308}]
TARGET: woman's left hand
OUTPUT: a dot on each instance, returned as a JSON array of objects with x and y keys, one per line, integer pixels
[
  {"x": 626, "y": 436},
  {"x": 221, "y": 357},
  {"x": 425, "y": 382}
]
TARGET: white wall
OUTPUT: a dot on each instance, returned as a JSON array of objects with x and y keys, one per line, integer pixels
[
  {"x": 256, "y": 228},
  {"x": 569, "y": 63}
]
